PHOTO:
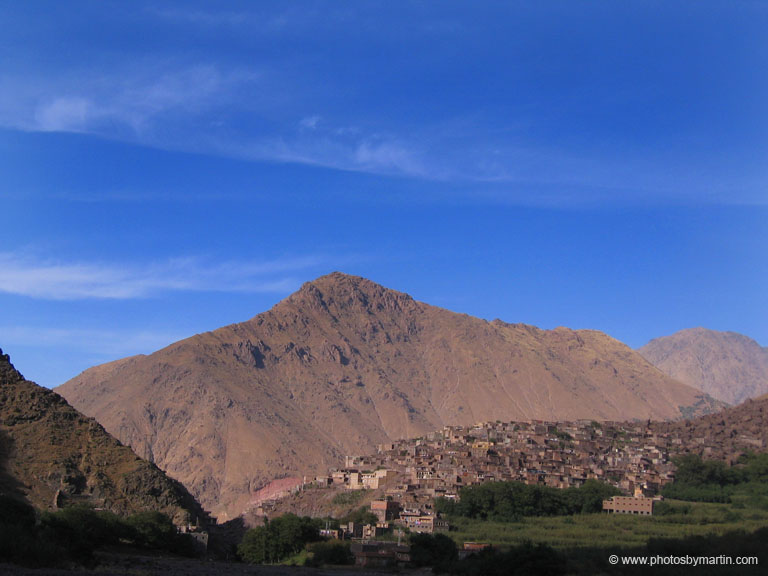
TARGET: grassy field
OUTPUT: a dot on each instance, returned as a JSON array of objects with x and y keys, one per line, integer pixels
[{"x": 612, "y": 531}]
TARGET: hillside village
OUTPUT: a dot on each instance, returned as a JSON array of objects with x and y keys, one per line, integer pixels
[
  {"x": 344, "y": 364},
  {"x": 406, "y": 476},
  {"x": 560, "y": 455},
  {"x": 412, "y": 473}
]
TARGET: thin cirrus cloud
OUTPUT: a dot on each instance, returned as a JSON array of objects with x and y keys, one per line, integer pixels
[
  {"x": 196, "y": 109},
  {"x": 127, "y": 104},
  {"x": 385, "y": 155},
  {"x": 80, "y": 281},
  {"x": 239, "y": 112},
  {"x": 262, "y": 23}
]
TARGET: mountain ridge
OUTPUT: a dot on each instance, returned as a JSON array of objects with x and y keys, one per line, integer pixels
[
  {"x": 727, "y": 365},
  {"x": 343, "y": 365},
  {"x": 52, "y": 455}
]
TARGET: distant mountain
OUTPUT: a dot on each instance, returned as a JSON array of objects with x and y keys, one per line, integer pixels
[
  {"x": 51, "y": 455},
  {"x": 345, "y": 364},
  {"x": 726, "y": 365}
]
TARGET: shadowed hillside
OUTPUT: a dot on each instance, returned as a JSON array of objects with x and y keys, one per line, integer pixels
[{"x": 52, "y": 455}]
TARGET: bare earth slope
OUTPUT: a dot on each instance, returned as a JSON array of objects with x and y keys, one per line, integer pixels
[
  {"x": 343, "y": 365},
  {"x": 50, "y": 453},
  {"x": 725, "y": 435},
  {"x": 726, "y": 365}
]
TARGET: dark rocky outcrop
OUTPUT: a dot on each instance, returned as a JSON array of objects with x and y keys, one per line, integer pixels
[{"x": 51, "y": 455}]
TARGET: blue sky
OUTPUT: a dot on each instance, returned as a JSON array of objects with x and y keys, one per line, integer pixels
[{"x": 169, "y": 168}]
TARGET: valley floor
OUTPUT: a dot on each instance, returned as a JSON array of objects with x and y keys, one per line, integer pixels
[
  {"x": 157, "y": 566},
  {"x": 682, "y": 520}
]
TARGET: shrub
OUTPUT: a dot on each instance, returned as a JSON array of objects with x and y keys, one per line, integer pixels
[
  {"x": 331, "y": 552},
  {"x": 155, "y": 530},
  {"x": 17, "y": 530},
  {"x": 362, "y": 515},
  {"x": 527, "y": 559},
  {"x": 347, "y": 497},
  {"x": 69, "y": 534}
]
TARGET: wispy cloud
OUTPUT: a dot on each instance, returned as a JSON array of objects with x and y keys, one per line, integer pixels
[
  {"x": 127, "y": 103},
  {"x": 53, "y": 280},
  {"x": 310, "y": 122},
  {"x": 253, "y": 21},
  {"x": 350, "y": 151},
  {"x": 191, "y": 109},
  {"x": 202, "y": 18},
  {"x": 65, "y": 114},
  {"x": 260, "y": 115}
]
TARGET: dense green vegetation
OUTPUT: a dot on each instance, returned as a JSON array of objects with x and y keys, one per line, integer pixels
[
  {"x": 528, "y": 559},
  {"x": 700, "y": 480},
  {"x": 675, "y": 520},
  {"x": 330, "y": 552},
  {"x": 278, "y": 539},
  {"x": 433, "y": 550},
  {"x": 726, "y": 513},
  {"x": 511, "y": 501},
  {"x": 718, "y": 500},
  {"x": 18, "y": 536},
  {"x": 72, "y": 535}
]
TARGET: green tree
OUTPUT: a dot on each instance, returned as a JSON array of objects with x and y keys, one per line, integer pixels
[
  {"x": 254, "y": 546},
  {"x": 510, "y": 501},
  {"x": 432, "y": 550},
  {"x": 152, "y": 529},
  {"x": 279, "y": 538},
  {"x": 591, "y": 495},
  {"x": 756, "y": 467},
  {"x": 332, "y": 552}
]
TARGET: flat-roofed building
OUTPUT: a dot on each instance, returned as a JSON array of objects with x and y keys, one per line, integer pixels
[
  {"x": 385, "y": 510},
  {"x": 629, "y": 505}
]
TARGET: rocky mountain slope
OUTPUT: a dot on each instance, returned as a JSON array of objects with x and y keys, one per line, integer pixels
[
  {"x": 343, "y": 365},
  {"x": 725, "y": 435},
  {"x": 726, "y": 365},
  {"x": 52, "y": 455}
]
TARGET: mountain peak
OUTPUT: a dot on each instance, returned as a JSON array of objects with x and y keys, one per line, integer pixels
[
  {"x": 730, "y": 366},
  {"x": 7, "y": 370},
  {"x": 342, "y": 292},
  {"x": 339, "y": 281},
  {"x": 343, "y": 365},
  {"x": 335, "y": 281},
  {"x": 336, "y": 277}
]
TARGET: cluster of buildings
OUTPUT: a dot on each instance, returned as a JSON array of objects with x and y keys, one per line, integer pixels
[
  {"x": 409, "y": 475},
  {"x": 634, "y": 457},
  {"x": 561, "y": 455}
]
